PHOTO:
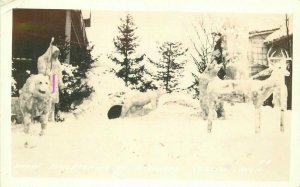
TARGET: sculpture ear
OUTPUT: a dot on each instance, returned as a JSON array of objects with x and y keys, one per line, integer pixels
[
  {"x": 52, "y": 40},
  {"x": 31, "y": 81}
]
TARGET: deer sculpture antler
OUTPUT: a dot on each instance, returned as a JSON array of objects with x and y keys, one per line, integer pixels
[{"x": 284, "y": 56}]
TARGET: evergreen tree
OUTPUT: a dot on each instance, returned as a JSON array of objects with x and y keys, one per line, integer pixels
[
  {"x": 170, "y": 67},
  {"x": 132, "y": 70},
  {"x": 74, "y": 74}
]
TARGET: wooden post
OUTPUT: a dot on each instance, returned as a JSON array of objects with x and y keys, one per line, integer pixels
[{"x": 68, "y": 28}]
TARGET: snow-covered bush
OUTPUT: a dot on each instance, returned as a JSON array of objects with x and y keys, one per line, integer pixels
[
  {"x": 13, "y": 84},
  {"x": 21, "y": 70},
  {"x": 75, "y": 76},
  {"x": 76, "y": 89}
]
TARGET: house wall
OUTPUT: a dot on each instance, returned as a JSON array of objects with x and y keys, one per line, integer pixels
[
  {"x": 32, "y": 33},
  {"x": 258, "y": 50},
  {"x": 33, "y": 29},
  {"x": 282, "y": 44}
]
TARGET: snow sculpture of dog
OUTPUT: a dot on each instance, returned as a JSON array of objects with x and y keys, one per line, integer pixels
[
  {"x": 256, "y": 91},
  {"x": 35, "y": 101},
  {"x": 139, "y": 100},
  {"x": 16, "y": 113}
]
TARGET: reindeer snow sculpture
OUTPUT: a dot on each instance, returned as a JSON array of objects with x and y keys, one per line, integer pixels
[
  {"x": 209, "y": 74},
  {"x": 255, "y": 91}
]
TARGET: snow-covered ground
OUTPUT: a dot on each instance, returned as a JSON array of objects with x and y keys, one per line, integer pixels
[{"x": 169, "y": 142}]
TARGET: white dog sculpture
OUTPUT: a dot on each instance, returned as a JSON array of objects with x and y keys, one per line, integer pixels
[
  {"x": 35, "y": 101},
  {"x": 139, "y": 100}
]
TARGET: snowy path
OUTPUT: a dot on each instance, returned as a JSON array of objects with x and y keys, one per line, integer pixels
[{"x": 170, "y": 142}]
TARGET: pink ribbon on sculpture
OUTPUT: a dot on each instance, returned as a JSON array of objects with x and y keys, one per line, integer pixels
[{"x": 53, "y": 83}]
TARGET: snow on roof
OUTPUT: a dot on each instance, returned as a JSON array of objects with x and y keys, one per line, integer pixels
[
  {"x": 262, "y": 32},
  {"x": 278, "y": 35}
]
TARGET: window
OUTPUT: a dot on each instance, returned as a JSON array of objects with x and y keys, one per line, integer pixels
[{"x": 258, "y": 52}]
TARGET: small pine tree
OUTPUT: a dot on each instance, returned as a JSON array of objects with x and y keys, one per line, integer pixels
[
  {"x": 77, "y": 88},
  {"x": 170, "y": 67},
  {"x": 126, "y": 42}
]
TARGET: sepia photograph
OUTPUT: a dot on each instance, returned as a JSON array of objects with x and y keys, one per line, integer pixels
[{"x": 134, "y": 94}]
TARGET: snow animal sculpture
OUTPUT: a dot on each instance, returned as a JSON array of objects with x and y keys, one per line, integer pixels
[
  {"x": 139, "y": 100},
  {"x": 209, "y": 73},
  {"x": 256, "y": 91},
  {"x": 16, "y": 114},
  {"x": 49, "y": 65},
  {"x": 35, "y": 101}
]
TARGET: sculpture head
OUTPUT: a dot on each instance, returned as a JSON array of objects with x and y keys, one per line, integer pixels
[{"x": 55, "y": 52}]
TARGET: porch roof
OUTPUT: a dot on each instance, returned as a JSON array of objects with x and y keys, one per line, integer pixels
[{"x": 277, "y": 35}]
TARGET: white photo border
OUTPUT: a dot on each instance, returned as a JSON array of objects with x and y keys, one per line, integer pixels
[{"x": 227, "y": 6}]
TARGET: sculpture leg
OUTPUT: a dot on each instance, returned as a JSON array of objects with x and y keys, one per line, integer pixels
[
  {"x": 257, "y": 119},
  {"x": 27, "y": 122},
  {"x": 52, "y": 113},
  {"x": 283, "y": 106},
  {"x": 211, "y": 112},
  {"x": 282, "y": 120},
  {"x": 43, "y": 121}
]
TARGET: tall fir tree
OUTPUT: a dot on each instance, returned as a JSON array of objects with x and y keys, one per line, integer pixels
[
  {"x": 170, "y": 66},
  {"x": 132, "y": 70}
]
